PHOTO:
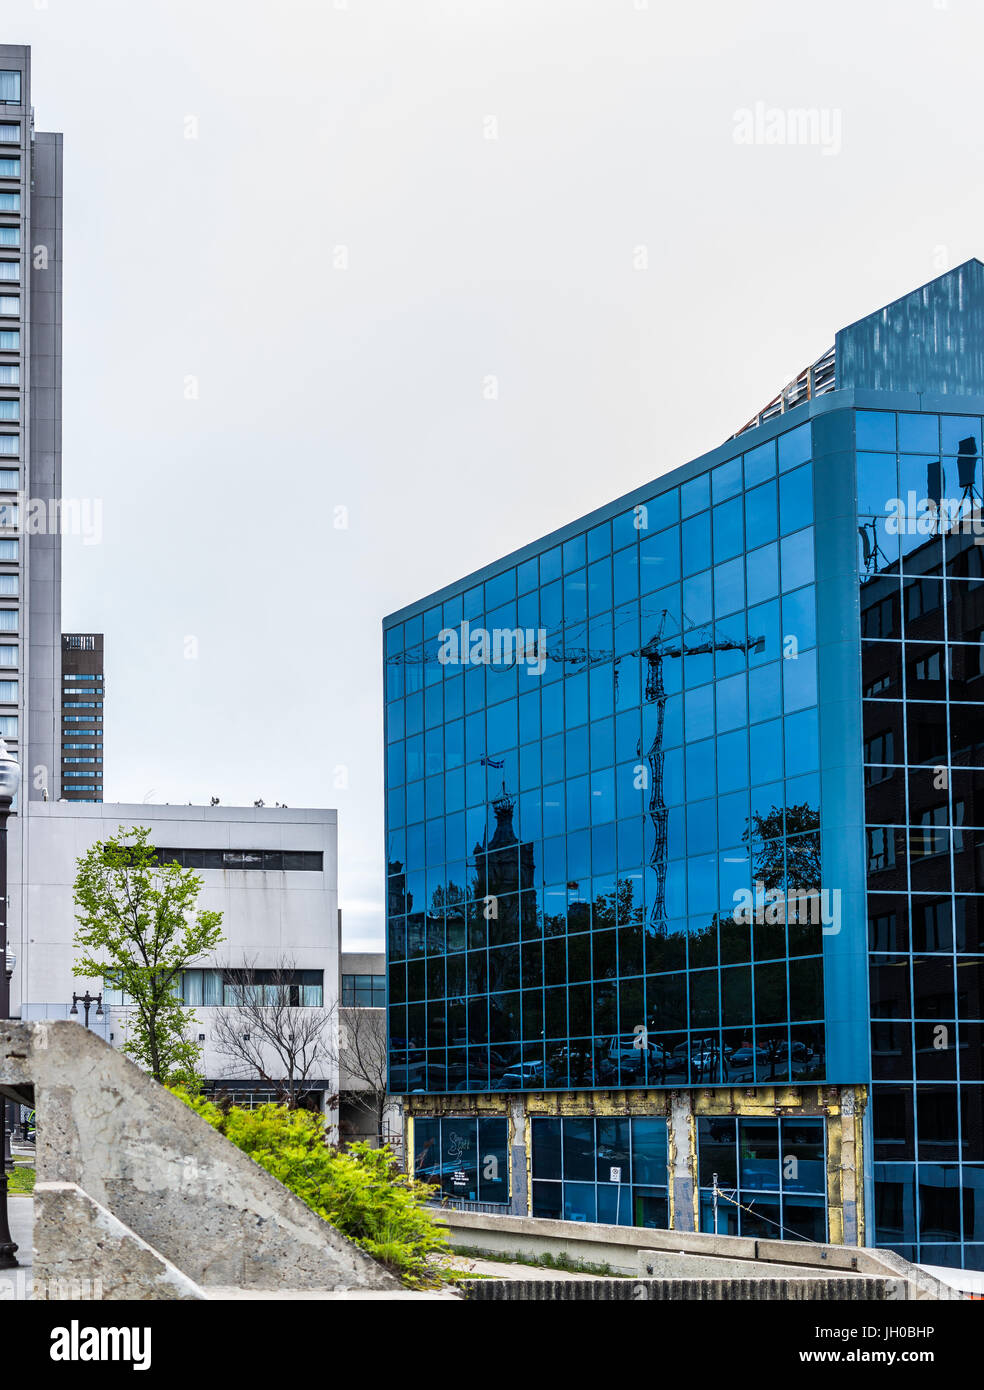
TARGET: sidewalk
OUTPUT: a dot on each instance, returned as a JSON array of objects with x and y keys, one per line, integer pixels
[{"x": 15, "y": 1283}]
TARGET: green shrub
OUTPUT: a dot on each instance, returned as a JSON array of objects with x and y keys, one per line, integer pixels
[{"x": 361, "y": 1191}]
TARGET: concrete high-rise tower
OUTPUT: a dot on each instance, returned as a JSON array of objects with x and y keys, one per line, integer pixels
[{"x": 30, "y": 430}]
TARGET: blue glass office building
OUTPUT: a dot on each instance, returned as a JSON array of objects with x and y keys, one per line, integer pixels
[{"x": 683, "y": 800}]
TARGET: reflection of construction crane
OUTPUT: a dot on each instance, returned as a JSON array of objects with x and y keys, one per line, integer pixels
[{"x": 653, "y": 652}]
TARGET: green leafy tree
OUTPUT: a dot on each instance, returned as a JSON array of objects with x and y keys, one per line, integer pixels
[{"x": 139, "y": 928}]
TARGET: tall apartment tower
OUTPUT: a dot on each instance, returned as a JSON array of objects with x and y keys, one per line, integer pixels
[
  {"x": 30, "y": 430},
  {"x": 83, "y": 693}
]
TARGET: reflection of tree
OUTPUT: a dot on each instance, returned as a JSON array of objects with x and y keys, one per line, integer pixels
[
  {"x": 447, "y": 896},
  {"x": 617, "y": 908},
  {"x": 790, "y": 852}
]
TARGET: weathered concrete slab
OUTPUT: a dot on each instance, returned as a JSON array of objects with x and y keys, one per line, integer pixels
[
  {"x": 678, "y": 1264},
  {"x": 168, "y": 1176},
  {"x": 81, "y": 1244},
  {"x": 678, "y": 1254}
]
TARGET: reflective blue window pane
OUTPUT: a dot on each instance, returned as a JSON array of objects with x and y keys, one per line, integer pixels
[
  {"x": 695, "y": 496},
  {"x": 760, "y": 463},
  {"x": 919, "y": 434},
  {"x": 731, "y": 703},
  {"x": 696, "y": 543},
  {"x": 796, "y": 559},
  {"x": 799, "y": 617},
  {"x": 878, "y": 483},
  {"x": 875, "y": 429},
  {"x": 599, "y": 541},
  {"x": 801, "y": 739},
  {"x": 575, "y": 554},
  {"x": 550, "y": 565},
  {"x": 762, "y": 570},
  {"x": 502, "y": 728},
  {"x": 527, "y": 575},
  {"x": 764, "y": 633},
  {"x": 453, "y": 611},
  {"x": 626, "y": 528},
  {"x": 626, "y": 575},
  {"x": 726, "y": 480},
  {"x": 576, "y": 700},
  {"x": 799, "y": 682},
  {"x": 732, "y": 761},
  {"x": 599, "y": 586},
  {"x": 794, "y": 447},
  {"x": 765, "y": 749},
  {"x": 659, "y": 560},
  {"x": 662, "y": 510},
  {"x": 575, "y": 596},
  {"x": 761, "y": 515},
  {"x": 727, "y": 526},
  {"x": 698, "y": 610},
  {"x": 576, "y": 758},
  {"x": 795, "y": 500},
  {"x": 764, "y": 698},
  {"x": 960, "y": 434},
  {"x": 729, "y": 587},
  {"x": 700, "y": 764}
]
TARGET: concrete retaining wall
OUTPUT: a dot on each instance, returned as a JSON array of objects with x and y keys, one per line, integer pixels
[
  {"x": 165, "y": 1174},
  {"x": 646, "y": 1252}
]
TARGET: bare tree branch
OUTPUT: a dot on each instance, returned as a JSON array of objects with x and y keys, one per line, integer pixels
[
  {"x": 362, "y": 1061},
  {"x": 269, "y": 1032}
]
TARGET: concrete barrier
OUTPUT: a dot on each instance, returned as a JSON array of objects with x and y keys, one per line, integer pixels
[
  {"x": 164, "y": 1174},
  {"x": 76, "y": 1236},
  {"x": 647, "y": 1252}
]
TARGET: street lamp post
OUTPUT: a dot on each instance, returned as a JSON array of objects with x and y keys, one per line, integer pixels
[
  {"x": 86, "y": 1000},
  {"x": 9, "y": 781}
]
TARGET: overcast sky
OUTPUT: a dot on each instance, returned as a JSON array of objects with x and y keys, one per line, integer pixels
[{"x": 385, "y": 203}]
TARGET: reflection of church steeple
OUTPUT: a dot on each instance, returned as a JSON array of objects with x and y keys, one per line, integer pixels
[
  {"x": 503, "y": 806},
  {"x": 500, "y": 873}
]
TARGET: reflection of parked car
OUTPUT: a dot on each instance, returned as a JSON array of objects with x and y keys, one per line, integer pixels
[
  {"x": 629, "y": 1051},
  {"x": 743, "y": 1061},
  {"x": 524, "y": 1076}
]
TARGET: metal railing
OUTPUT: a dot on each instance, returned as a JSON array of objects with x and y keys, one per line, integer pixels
[{"x": 815, "y": 380}]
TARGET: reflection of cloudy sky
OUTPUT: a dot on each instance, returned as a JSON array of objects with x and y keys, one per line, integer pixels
[{"x": 329, "y": 132}]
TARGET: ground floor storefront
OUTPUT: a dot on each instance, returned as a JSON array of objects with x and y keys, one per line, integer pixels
[{"x": 769, "y": 1162}]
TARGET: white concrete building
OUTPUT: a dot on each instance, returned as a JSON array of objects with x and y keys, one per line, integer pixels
[{"x": 270, "y": 871}]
